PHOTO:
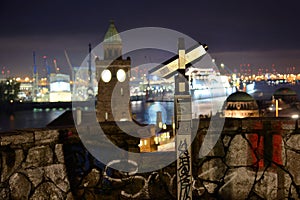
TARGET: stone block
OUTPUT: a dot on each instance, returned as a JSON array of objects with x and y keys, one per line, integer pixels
[
  {"x": 212, "y": 170},
  {"x": 252, "y": 124},
  {"x": 286, "y": 187},
  {"x": 294, "y": 193},
  {"x": 59, "y": 153},
  {"x": 210, "y": 187},
  {"x": 11, "y": 160},
  {"x": 293, "y": 165},
  {"x": 267, "y": 186},
  {"x": 294, "y": 142},
  {"x": 47, "y": 190},
  {"x": 16, "y": 139},
  {"x": 277, "y": 124},
  {"x": 238, "y": 183},
  {"x": 283, "y": 154},
  {"x": 288, "y": 125},
  {"x": 237, "y": 154},
  {"x": 35, "y": 175},
  {"x": 46, "y": 136},
  {"x": 58, "y": 175},
  {"x": 20, "y": 186},
  {"x": 39, "y": 156}
]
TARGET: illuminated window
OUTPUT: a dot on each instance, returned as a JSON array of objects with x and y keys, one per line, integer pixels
[
  {"x": 121, "y": 75},
  {"x": 106, "y": 75}
]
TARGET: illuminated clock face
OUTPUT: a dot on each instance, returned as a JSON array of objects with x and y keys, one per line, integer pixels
[
  {"x": 106, "y": 75},
  {"x": 121, "y": 75}
]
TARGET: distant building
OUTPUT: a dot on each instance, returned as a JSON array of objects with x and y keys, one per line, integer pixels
[
  {"x": 25, "y": 93},
  {"x": 287, "y": 104},
  {"x": 286, "y": 94},
  {"x": 240, "y": 105},
  {"x": 60, "y": 89}
]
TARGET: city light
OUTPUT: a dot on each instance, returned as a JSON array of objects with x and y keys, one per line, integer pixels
[{"x": 295, "y": 116}]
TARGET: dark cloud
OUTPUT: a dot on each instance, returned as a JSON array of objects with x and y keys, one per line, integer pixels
[{"x": 49, "y": 27}]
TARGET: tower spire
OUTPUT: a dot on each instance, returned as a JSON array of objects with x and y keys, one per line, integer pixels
[{"x": 112, "y": 43}]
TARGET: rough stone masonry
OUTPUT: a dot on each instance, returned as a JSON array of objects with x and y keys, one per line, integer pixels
[{"x": 256, "y": 158}]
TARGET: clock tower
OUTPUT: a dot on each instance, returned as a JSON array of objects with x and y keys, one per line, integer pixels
[{"x": 113, "y": 73}]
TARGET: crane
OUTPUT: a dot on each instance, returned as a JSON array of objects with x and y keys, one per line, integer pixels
[
  {"x": 35, "y": 78},
  {"x": 70, "y": 65},
  {"x": 47, "y": 66},
  {"x": 55, "y": 65},
  {"x": 73, "y": 71}
]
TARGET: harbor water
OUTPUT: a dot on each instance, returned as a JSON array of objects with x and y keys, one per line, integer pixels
[{"x": 144, "y": 112}]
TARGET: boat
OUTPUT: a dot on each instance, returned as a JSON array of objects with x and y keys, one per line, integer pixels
[{"x": 206, "y": 83}]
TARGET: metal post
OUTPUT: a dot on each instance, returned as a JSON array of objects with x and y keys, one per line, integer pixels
[
  {"x": 159, "y": 123},
  {"x": 78, "y": 116},
  {"x": 183, "y": 122},
  {"x": 276, "y": 108}
]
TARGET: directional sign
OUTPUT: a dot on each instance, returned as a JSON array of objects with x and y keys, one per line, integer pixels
[{"x": 169, "y": 67}]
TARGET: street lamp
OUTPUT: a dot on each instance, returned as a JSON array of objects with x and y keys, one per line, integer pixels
[{"x": 296, "y": 117}]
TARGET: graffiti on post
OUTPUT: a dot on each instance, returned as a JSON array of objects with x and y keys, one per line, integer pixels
[{"x": 184, "y": 170}]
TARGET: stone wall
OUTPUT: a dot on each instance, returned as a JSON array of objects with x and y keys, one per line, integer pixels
[
  {"x": 53, "y": 164},
  {"x": 33, "y": 165},
  {"x": 253, "y": 159}
]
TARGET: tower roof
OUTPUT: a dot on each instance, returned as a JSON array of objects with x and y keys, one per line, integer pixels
[
  {"x": 240, "y": 97},
  {"x": 240, "y": 101},
  {"x": 285, "y": 92},
  {"x": 112, "y": 35}
]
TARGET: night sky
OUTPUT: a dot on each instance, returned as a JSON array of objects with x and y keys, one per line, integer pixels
[{"x": 260, "y": 33}]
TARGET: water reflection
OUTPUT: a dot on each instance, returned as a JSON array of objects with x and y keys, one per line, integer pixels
[
  {"x": 145, "y": 112},
  {"x": 166, "y": 109},
  {"x": 27, "y": 119}
]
